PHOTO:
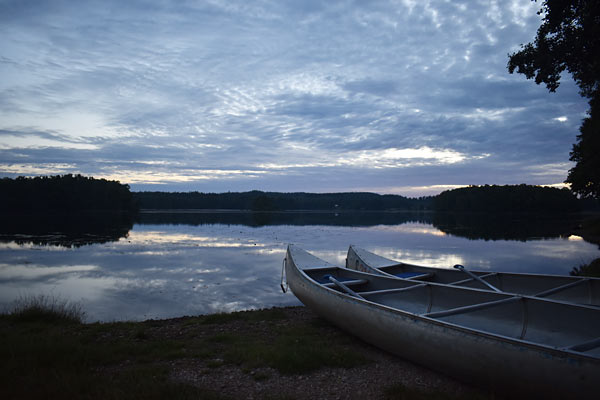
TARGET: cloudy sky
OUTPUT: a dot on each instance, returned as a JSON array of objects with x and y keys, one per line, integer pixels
[{"x": 408, "y": 97}]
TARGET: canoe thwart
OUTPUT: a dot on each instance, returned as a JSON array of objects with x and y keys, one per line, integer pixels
[
  {"x": 472, "y": 275},
  {"x": 463, "y": 281},
  {"x": 345, "y": 288},
  {"x": 394, "y": 290},
  {"x": 472, "y": 307},
  {"x": 560, "y": 288}
]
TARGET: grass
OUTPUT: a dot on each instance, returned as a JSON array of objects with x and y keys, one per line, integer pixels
[
  {"x": 46, "y": 351},
  {"x": 296, "y": 350},
  {"x": 49, "y": 353},
  {"x": 48, "y": 309},
  {"x": 272, "y": 314}
]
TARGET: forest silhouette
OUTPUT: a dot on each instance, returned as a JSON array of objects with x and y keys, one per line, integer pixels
[
  {"x": 64, "y": 194},
  {"x": 76, "y": 193}
]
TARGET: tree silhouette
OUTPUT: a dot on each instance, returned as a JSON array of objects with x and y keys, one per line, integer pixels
[
  {"x": 569, "y": 40},
  {"x": 65, "y": 194},
  {"x": 508, "y": 198},
  {"x": 270, "y": 201}
]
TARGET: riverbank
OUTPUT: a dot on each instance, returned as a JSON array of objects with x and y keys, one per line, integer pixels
[{"x": 279, "y": 353}]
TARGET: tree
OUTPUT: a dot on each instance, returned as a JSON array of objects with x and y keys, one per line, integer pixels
[
  {"x": 584, "y": 177},
  {"x": 569, "y": 40}
]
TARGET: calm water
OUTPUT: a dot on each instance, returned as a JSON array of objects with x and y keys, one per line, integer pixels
[{"x": 168, "y": 265}]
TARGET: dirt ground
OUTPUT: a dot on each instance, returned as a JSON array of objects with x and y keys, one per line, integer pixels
[{"x": 383, "y": 377}]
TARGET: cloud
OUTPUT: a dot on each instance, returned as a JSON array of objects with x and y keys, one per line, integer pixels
[{"x": 231, "y": 95}]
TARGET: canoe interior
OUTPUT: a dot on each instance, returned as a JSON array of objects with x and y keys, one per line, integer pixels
[
  {"x": 576, "y": 289},
  {"x": 553, "y": 324}
]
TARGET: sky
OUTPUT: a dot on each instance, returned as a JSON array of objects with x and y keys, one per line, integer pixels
[{"x": 405, "y": 97}]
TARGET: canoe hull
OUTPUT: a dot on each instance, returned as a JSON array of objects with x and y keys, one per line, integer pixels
[{"x": 499, "y": 364}]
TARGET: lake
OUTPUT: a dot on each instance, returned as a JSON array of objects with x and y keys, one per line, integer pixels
[{"x": 166, "y": 265}]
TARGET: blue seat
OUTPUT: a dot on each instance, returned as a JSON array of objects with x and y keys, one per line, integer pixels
[{"x": 407, "y": 275}]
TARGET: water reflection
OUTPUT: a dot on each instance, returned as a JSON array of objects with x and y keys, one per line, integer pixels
[
  {"x": 504, "y": 227},
  {"x": 29, "y": 272},
  {"x": 420, "y": 257},
  {"x": 72, "y": 230},
  {"x": 169, "y": 237},
  {"x": 174, "y": 269},
  {"x": 469, "y": 225},
  {"x": 257, "y": 219}
]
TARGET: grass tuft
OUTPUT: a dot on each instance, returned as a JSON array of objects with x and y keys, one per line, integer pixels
[
  {"x": 272, "y": 314},
  {"x": 46, "y": 309},
  {"x": 592, "y": 269}
]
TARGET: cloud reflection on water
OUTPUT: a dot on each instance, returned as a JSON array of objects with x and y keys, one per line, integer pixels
[
  {"x": 29, "y": 271},
  {"x": 161, "y": 271},
  {"x": 156, "y": 237}
]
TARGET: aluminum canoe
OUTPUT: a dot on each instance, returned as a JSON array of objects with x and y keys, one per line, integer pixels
[
  {"x": 574, "y": 289},
  {"x": 520, "y": 345}
]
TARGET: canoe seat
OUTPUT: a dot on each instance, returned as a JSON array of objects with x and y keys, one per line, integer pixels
[{"x": 414, "y": 275}]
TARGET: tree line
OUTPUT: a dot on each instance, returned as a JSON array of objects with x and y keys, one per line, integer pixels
[
  {"x": 488, "y": 198},
  {"x": 73, "y": 193},
  {"x": 274, "y": 201},
  {"x": 64, "y": 194},
  {"x": 508, "y": 198}
]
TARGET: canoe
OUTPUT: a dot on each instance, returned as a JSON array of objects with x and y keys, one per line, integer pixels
[
  {"x": 574, "y": 289},
  {"x": 524, "y": 345}
]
